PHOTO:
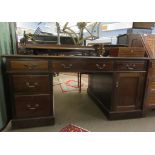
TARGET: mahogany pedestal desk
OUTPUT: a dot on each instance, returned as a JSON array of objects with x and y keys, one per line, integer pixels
[{"x": 116, "y": 84}]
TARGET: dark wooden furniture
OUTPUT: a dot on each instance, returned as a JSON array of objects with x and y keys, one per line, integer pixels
[
  {"x": 65, "y": 50},
  {"x": 116, "y": 83},
  {"x": 120, "y": 93},
  {"x": 143, "y": 25},
  {"x": 149, "y": 45},
  {"x": 47, "y": 38},
  {"x": 130, "y": 40},
  {"x": 58, "y": 49},
  {"x": 31, "y": 92},
  {"x": 125, "y": 51}
]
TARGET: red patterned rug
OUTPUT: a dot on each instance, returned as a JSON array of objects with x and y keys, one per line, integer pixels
[
  {"x": 72, "y": 85},
  {"x": 73, "y": 128}
]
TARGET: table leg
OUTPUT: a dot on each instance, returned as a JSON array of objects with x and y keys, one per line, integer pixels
[{"x": 79, "y": 81}]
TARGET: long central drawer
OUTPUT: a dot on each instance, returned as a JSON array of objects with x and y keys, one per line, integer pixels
[
  {"x": 99, "y": 66},
  {"x": 31, "y": 83},
  {"x": 80, "y": 66}
]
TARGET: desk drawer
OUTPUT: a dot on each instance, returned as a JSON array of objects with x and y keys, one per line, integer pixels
[
  {"x": 130, "y": 66},
  {"x": 31, "y": 83},
  {"x": 28, "y": 65},
  {"x": 68, "y": 66},
  {"x": 99, "y": 66},
  {"x": 33, "y": 106}
]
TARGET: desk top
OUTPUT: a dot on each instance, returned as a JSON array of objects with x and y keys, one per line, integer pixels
[{"x": 74, "y": 57}]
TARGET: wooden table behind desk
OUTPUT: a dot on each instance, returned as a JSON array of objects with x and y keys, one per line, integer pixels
[{"x": 60, "y": 49}]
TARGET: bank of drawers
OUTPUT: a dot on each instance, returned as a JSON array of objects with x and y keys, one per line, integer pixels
[
  {"x": 31, "y": 88},
  {"x": 32, "y": 95},
  {"x": 28, "y": 105},
  {"x": 76, "y": 66}
]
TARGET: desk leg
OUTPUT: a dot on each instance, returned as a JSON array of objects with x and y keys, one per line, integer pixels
[
  {"x": 78, "y": 78},
  {"x": 79, "y": 81}
]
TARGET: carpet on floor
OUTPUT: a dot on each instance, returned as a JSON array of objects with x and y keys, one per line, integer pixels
[
  {"x": 69, "y": 83},
  {"x": 72, "y": 85},
  {"x": 73, "y": 128}
]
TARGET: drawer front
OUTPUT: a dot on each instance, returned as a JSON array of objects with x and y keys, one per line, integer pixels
[
  {"x": 99, "y": 66},
  {"x": 31, "y": 83},
  {"x": 151, "y": 99},
  {"x": 28, "y": 65},
  {"x": 64, "y": 66},
  {"x": 33, "y": 106},
  {"x": 130, "y": 66}
]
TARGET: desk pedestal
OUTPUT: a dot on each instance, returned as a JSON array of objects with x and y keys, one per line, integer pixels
[{"x": 119, "y": 95}]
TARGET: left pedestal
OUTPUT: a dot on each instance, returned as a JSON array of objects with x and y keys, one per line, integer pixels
[{"x": 30, "y": 90}]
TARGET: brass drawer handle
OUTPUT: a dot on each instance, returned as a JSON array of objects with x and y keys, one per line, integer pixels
[
  {"x": 131, "y": 67},
  {"x": 31, "y": 85},
  {"x": 67, "y": 67},
  {"x": 117, "y": 84},
  {"x": 30, "y": 66},
  {"x": 132, "y": 51},
  {"x": 100, "y": 66},
  {"x": 32, "y": 107}
]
